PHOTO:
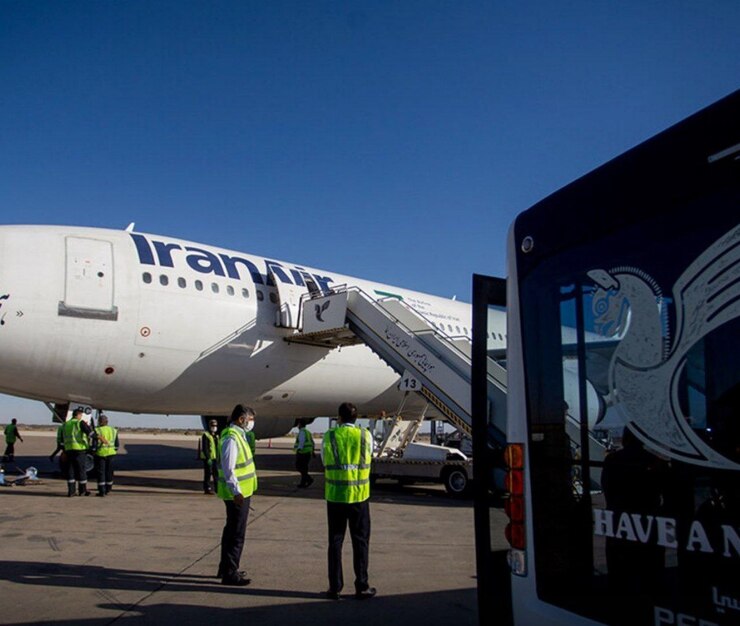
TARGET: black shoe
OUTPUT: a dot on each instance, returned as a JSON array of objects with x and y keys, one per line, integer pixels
[
  {"x": 240, "y": 574},
  {"x": 236, "y": 581},
  {"x": 85, "y": 493},
  {"x": 100, "y": 494},
  {"x": 332, "y": 595},
  {"x": 309, "y": 482},
  {"x": 366, "y": 594}
]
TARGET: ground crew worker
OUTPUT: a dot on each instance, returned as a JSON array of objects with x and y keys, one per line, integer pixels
[
  {"x": 209, "y": 456},
  {"x": 347, "y": 453},
  {"x": 107, "y": 448},
  {"x": 237, "y": 481},
  {"x": 11, "y": 435},
  {"x": 304, "y": 450},
  {"x": 76, "y": 434},
  {"x": 249, "y": 434}
]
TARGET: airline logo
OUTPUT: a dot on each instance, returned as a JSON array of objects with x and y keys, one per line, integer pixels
[
  {"x": 320, "y": 309},
  {"x": 262, "y": 271}
]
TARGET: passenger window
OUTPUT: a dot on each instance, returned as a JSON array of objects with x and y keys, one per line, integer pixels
[
  {"x": 245, "y": 293},
  {"x": 230, "y": 290},
  {"x": 457, "y": 328},
  {"x": 260, "y": 295},
  {"x": 199, "y": 285},
  {"x": 214, "y": 287},
  {"x": 163, "y": 280},
  {"x": 273, "y": 297},
  {"x": 449, "y": 326},
  {"x": 146, "y": 277},
  {"x": 182, "y": 283}
]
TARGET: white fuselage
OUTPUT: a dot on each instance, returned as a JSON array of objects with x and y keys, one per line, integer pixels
[{"x": 149, "y": 324}]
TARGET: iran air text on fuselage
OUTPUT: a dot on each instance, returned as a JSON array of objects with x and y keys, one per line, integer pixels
[{"x": 169, "y": 254}]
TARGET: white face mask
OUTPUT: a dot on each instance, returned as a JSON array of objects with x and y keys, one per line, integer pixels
[
  {"x": 214, "y": 429},
  {"x": 249, "y": 425}
]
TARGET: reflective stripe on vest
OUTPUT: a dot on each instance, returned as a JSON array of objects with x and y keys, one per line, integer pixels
[
  {"x": 348, "y": 455},
  {"x": 212, "y": 451},
  {"x": 74, "y": 438},
  {"x": 244, "y": 470},
  {"x": 106, "y": 441},
  {"x": 307, "y": 442}
]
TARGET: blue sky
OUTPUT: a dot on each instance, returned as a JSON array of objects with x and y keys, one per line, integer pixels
[{"x": 395, "y": 141}]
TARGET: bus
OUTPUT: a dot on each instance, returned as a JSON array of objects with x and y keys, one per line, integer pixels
[{"x": 624, "y": 497}]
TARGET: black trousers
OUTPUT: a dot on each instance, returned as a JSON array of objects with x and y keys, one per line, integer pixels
[
  {"x": 301, "y": 464},
  {"x": 210, "y": 473},
  {"x": 10, "y": 452},
  {"x": 104, "y": 467},
  {"x": 232, "y": 538},
  {"x": 76, "y": 470},
  {"x": 357, "y": 516}
]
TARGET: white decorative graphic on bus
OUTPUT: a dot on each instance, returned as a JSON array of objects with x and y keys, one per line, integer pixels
[{"x": 645, "y": 369}]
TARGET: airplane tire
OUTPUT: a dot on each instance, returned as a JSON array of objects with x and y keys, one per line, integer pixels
[
  {"x": 455, "y": 480},
  {"x": 89, "y": 462}
]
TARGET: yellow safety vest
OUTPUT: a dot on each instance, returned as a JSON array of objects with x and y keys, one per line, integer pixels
[
  {"x": 107, "y": 447},
  {"x": 212, "y": 449},
  {"x": 347, "y": 458},
  {"x": 74, "y": 438},
  {"x": 251, "y": 440},
  {"x": 307, "y": 443},
  {"x": 10, "y": 433},
  {"x": 244, "y": 470}
]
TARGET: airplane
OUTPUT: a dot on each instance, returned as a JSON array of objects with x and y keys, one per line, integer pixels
[{"x": 127, "y": 321}]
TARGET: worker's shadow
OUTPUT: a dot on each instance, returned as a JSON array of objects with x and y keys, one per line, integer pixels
[
  {"x": 107, "y": 579},
  {"x": 439, "y": 607},
  {"x": 442, "y": 608}
]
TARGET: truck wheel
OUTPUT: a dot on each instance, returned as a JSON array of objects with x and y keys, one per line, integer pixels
[{"x": 455, "y": 480}]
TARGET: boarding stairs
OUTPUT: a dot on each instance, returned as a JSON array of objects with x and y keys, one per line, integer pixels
[
  {"x": 430, "y": 363},
  {"x": 399, "y": 433}
]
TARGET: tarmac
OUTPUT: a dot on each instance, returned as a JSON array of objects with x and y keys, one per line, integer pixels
[{"x": 148, "y": 552}]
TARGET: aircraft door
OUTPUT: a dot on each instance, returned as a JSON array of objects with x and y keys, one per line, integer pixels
[
  {"x": 289, "y": 299},
  {"x": 88, "y": 286}
]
